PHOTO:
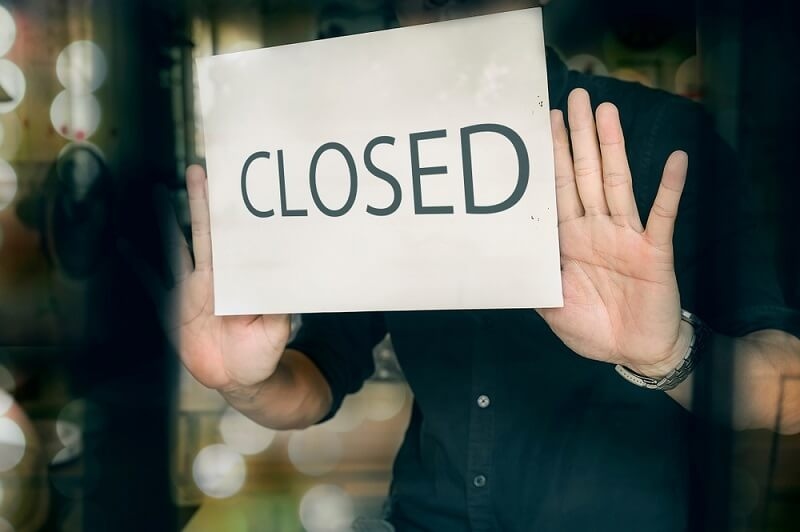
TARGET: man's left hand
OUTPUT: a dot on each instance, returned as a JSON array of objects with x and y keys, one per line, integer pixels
[{"x": 621, "y": 299}]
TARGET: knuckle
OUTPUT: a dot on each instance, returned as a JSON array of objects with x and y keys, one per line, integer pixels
[
  {"x": 612, "y": 143},
  {"x": 199, "y": 224},
  {"x": 561, "y": 141},
  {"x": 588, "y": 161},
  {"x": 564, "y": 179},
  {"x": 660, "y": 210},
  {"x": 615, "y": 178},
  {"x": 594, "y": 210},
  {"x": 585, "y": 170}
]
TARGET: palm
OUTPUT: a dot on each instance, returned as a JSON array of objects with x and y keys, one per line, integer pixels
[
  {"x": 621, "y": 300},
  {"x": 219, "y": 351},
  {"x": 222, "y": 350},
  {"x": 617, "y": 285}
]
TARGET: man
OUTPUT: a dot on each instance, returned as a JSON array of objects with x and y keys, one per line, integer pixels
[{"x": 520, "y": 421}]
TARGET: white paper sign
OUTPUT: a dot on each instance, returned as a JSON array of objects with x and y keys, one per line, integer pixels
[{"x": 407, "y": 169}]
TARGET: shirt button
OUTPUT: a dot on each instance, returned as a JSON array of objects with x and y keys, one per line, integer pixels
[
  {"x": 479, "y": 481},
  {"x": 483, "y": 401}
]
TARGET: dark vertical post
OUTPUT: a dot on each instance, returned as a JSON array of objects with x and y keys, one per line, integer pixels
[
  {"x": 719, "y": 29},
  {"x": 128, "y": 373}
]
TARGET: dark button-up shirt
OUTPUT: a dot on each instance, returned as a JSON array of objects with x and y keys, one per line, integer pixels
[{"x": 512, "y": 431}]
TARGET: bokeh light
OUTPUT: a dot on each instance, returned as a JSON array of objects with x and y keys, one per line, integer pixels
[
  {"x": 219, "y": 471},
  {"x": 687, "y": 79},
  {"x": 83, "y": 144},
  {"x": 69, "y": 434},
  {"x": 7, "y": 381},
  {"x": 81, "y": 413},
  {"x": 588, "y": 64},
  {"x": 315, "y": 450},
  {"x": 243, "y": 434},
  {"x": 81, "y": 67},
  {"x": 69, "y": 419},
  {"x": 241, "y": 46},
  {"x": 12, "y": 444},
  {"x": 75, "y": 116},
  {"x": 12, "y": 81},
  {"x": 64, "y": 455},
  {"x": 326, "y": 508},
  {"x": 349, "y": 416},
  {"x": 633, "y": 75},
  {"x": 84, "y": 166},
  {"x": 8, "y": 31},
  {"x": 6, "y": 402},
  {"x": 8, "y": 184},
  {"x": 383, "y": 400}
]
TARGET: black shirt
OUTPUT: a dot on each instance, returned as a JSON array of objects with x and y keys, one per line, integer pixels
[{"x": 512, "y": 431}]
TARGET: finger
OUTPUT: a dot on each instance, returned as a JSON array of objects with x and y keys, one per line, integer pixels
[
  {"x": 198, "y": 207},
  {"x": 567, "y": 199},
  {"x": 617, "y": 182},
  {"x": 586, "y": 153},
  {"x": 661, "y": 221},
  {"x": 176, "y": 248}
]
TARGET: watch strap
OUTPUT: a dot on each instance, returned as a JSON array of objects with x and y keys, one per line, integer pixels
[{"x": 684, "y": 368}]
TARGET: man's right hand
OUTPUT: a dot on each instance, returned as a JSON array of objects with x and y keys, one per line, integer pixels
[
  {"x": 227, "y": 353},
  {"x": 243, "y": 357}
]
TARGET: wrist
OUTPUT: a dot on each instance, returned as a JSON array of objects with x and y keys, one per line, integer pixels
[
  {"x": 242, "y": 393},
  {"x": 678, "y": 351},
  {"x": 248, "y": 386},
  {"x": 666, "y": 374}
]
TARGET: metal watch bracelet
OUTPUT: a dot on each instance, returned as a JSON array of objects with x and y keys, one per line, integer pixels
[{"x": 684, "y": 368}]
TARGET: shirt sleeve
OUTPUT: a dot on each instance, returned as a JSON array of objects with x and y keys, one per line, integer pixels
[
  {"x": 341, "y": 345},
  {"x": 725, "y": 257}
]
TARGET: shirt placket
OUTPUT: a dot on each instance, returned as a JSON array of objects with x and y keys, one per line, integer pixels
[{"x": 480, "y": 468}]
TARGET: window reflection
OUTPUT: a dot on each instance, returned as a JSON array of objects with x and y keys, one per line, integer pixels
[{"x": 98, "y": 104}]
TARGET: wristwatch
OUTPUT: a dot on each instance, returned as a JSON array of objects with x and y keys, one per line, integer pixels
[{"x": 684, "y": 369}]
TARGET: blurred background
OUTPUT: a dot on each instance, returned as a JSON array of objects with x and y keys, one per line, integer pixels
[{"x": 99, "y": 427}]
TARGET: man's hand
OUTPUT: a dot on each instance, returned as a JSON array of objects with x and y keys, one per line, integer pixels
[
  {"x": 243, "y": 357},
  {"x": 621, "y": 300},
  {"x": 227, "y": 353},
  {"x": 222, "y": 352}
]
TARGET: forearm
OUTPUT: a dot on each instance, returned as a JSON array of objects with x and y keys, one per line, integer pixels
[
  {"x": 294, "y": 397},
  {"x": 758, "y": 362}
]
